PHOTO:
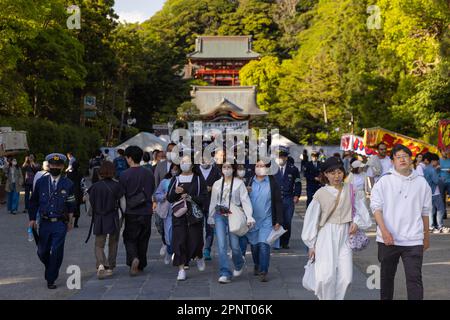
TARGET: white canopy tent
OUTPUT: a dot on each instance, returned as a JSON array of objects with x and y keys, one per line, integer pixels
[{"x": 147, "y": 141}]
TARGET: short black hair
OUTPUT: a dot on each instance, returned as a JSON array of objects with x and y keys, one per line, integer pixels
[
  {"x": 121, "y": 152},
  {"x": 427, "y": 156},
  {"x": 399, "y": 147},
  {"x": 146, "y": 157},
  {"x": 171, "y": 144},
  {"x": 135, "y": 153}
]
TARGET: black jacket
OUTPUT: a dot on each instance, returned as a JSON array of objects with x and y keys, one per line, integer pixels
[
  {"x": 312, "y": 172},
  {"x": 214, "y": 175}
]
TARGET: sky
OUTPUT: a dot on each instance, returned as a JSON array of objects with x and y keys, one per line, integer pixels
[{"x": 137, "y": 10}]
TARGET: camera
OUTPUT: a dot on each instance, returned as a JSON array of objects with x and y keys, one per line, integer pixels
[{"x": 222, "y": 210}]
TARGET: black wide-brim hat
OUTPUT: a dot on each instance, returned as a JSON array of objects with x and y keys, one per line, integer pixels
[{"x": 331, "y": 164}]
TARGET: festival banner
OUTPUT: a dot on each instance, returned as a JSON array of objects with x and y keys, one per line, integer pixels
[
  {"x": 373, "y": 136},
  {"x": 444, "y": 135},
  {"x": 354, "y": 143}
]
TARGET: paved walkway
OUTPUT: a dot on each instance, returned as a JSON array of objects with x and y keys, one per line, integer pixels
[
  {"x": 159, "y": 280},
  {"x": 21, "y": 272}
]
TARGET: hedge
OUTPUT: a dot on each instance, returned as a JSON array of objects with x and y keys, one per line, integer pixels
[{"x": 45, "y": 137}]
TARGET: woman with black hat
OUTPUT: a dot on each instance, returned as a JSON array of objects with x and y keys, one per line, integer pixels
[{"x": 326, "y": 230}]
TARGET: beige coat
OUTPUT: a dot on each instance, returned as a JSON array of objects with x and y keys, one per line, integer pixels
[{"x": 18, "y": 177}]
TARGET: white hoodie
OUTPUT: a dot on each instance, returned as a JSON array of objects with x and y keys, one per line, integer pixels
[{"x": 403, "y": 201}]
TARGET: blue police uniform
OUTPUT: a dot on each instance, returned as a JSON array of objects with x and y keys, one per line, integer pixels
[
  {"x": 290, "y": 186},
  {"x": 53, "y": 205}
]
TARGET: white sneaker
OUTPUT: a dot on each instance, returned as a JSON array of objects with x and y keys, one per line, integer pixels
[
  {"x": 101, "y": 272},
  {"x": 163, "y": 250},
  {"x": 224, "y": 279},
  {"x": 181, "y": 275},
  {"x": 237, "y": 273},
  {"x": 436, "y": 230},
  {"x": 201, "y": 264},
  {"x": 167, "y": 258},
  {"x": 445, "y": 230}
]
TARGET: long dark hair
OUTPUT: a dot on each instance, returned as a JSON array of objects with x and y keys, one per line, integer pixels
[
  {"x": 233, "y": 167},
  {"x": 169, "y": 174}
]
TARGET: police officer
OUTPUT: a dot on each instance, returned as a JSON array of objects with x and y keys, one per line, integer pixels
[
  {"x": 54, "y": 199},
  {"x": 288, "y": 178},
  {"x": 312, "y": 173}
]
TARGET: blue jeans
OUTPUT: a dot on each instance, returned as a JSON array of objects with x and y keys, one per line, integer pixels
[
  {"x": 209, "y": 234},
  {"x": 261, "y": 256},
  {"x": 438, "y": 210},
  {"x": 445, "y": 190},
  {"x": 243, "y": 241},
  {"x": 168, "y": 233},
  {"x": 223, "y": 236},
  {"x": 13, "y": 198}
]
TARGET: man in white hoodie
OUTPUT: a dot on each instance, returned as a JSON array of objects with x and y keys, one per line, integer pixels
[{"x": 401, "y": 202}]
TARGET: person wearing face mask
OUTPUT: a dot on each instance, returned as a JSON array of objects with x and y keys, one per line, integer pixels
[
  {"x": 55, "y": 201},
  {"x": 288, "y": 178},
  {"x": 161, "y": 169},
  {"x": 211, "y": 173},
  {"x": 228, "y": 191},
  {"x": 14, "y": 180},
  {"x": 187, "y": 232},
  {"x": 163, "y": 205},
  {"x": 267, "y": 206},
  {"x": 326, "y": 229}
]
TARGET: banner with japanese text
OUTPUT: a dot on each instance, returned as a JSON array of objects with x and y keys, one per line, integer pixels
[{"x": 373, "y": 136}]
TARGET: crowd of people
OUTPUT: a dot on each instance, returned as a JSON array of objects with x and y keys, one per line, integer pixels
[{"x": 197, "y": 205}]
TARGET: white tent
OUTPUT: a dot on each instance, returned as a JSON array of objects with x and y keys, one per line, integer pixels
[{"x": 147, "y": 141}]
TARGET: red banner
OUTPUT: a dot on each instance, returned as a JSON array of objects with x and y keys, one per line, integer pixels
[
  {"x": 354, "y": 143},
  {"x": 373, "y": 136}
]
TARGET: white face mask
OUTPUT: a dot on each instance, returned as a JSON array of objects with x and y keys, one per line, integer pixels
[
  {"x": 205, "y": 166},
  {"x": 174, "y": 173},
  {"x": 241, "y": 173},
  {"x": 280, "y": 162},
  {"x": 227, "y": 172},
  {"x": 169, "y": 156},
  {"x": 261, "y": 171},
  {"x": 185, "y": 167},
  {"x": 14, "y": 163}
]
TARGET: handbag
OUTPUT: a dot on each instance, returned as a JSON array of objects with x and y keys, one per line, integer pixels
[
  {"x": 358, "y": 241},
  {"x": 309, "y": 277},
  {"x": 237, "y": 220},
  {"x": 195, "y": 215},
  {"x": 137, "y": 200},
  {"x": 179, "y": 208},
  {"x": 162, "y": 209}
]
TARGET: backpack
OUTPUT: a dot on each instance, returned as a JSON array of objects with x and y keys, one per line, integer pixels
[{"x": 121, "y": 164}]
